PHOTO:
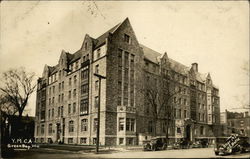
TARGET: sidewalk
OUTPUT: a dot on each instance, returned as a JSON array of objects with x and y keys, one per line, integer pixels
[{"x": 89, "y": 148}]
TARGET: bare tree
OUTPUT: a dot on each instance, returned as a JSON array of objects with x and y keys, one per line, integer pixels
[
  {"x": 159, "y": 92},
  {"x": 7, "y": 108},
  {"x": 16, "y": 88}
]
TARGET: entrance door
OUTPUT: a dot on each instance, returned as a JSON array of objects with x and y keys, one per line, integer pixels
[{"x": 188, "y": 132}]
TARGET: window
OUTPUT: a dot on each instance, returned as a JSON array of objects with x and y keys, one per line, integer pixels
[
  {"x": 97, "y": 69},
  {"x": 130, "y": 124},
  {"x": 59, "y": 98},
  {"x": 180, "y": 116},
  {"x": 84, "y": 125},
  {"x": 121, "y": 141},
  {"x": 76, "y": 65},
  {"x": 84, "y": 74},
  {"x": 69, "y": 108},
  {"x": 202, "y": 130},
  {"x": 209, "y": 117},
  {"x": 75, "y": 79},
  {"x": 84, "y": 106},
  {"x": 119, "y": 87},
  {"x": 126, "y": 38},
  {"x": 71, "y": 126},
  {"x": 52, "y": 112},
  {"x": 94, "y": 140},
  {"x": 121, "y": 124},
  {"x": 69, "y": 94},
  {"x": 84, "y": 89},
  {"x": 178, "y": 130},
  {"x": 60, "y": 72},
  {"x": 119, "y": 101},
  {"x": 96, "y": 101},
  {"x": 119, "y": 57},
  {"x": 62, "y": 97},
  {"x": 69, "y": 81},
  {"x": 74, "y": 107},
  {"x": 130, "y": 141},
  {"x": 42, "y": 129},
  {"x": 185, "y": 101},
  {"x": 95, "y": 124},
  {"x": 49, "y": 114},
  {"x": 50, "y": 129},
  {"x": 125, "y": 89},
  {"x": 74, "y": 93},
  {"x": 49, "y": 101},
  {"x": 37, "y": 130},
  {"x": 126, "y": 56},
  {"x": 179, "y": 101},
  {"x": 125, "y": 101},
  {"x": 86, "y": 46},
  {"x": 150, "y": 126},
  {"x": 53, "y": 89},
  {"x": 83, "y": 140},
  {"x": 62, "y": 85},
  {"x": 59, "y": 87},
  {"x": 59, "y": 111},
  {"x": 96, "y": 85},
  {"x": 70, "y": 140},
  {"x": 185, "y": 113},
  {"x": 98, "y": 53}
]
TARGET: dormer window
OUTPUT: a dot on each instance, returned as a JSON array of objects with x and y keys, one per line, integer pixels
[{"x": 126, "y": 38}]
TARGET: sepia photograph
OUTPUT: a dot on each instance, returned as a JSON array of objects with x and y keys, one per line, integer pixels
[{"x": 124, "y": 79}]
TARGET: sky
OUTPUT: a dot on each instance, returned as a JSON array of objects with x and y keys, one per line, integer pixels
[{"x": 215, "y": 34}]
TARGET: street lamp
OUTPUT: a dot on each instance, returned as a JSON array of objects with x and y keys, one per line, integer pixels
[{"x": 98, "y": 112}]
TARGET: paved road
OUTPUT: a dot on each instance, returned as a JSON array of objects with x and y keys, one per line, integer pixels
[{"x": 63, "y": 154}]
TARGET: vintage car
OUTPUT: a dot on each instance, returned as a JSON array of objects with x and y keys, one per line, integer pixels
[
  {"x": 181, "y": 144},
  {"x": 232, "y": 144},
  {"x": 154, "y": 144}
]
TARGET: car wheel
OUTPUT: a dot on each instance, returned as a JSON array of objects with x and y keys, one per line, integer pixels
[{"x": 216, "y": 153}]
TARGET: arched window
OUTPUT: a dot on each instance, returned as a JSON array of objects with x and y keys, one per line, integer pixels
[{"x": 71, "y": 126}]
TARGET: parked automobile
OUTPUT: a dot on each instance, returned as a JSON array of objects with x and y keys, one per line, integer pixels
[
  {"x": 196, "y": 144},
  {"x": 155, "y": 144},
  {"x": 181, "y": 144},
  {"x": 232, "y": 144}
]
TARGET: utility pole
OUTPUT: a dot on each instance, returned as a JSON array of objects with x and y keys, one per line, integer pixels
[{"x": 98, "y": 111}]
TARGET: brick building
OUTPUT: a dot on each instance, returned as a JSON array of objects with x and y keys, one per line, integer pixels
[
  {"x": 234, "y": 122},
  {"x": 67, "y": 94}
]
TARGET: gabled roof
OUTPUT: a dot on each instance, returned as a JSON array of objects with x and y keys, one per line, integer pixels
[
  {"x": 52, "y": 69},
  {"x": 154, "y": 56},
  {"x": 178, "y": 67},
  {"x": 75, "y": 56},
  {"x": 150, "y": 54},
  {"x": 101, "y": 39},
  {"x": 96, "y": 42}
]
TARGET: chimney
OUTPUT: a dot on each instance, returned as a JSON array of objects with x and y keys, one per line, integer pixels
[{"x": 195, "y": 67}]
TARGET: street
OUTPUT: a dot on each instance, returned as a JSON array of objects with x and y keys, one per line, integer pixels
[{"x": 122, "y": 153}]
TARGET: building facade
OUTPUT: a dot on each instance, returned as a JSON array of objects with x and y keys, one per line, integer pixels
[
  {"x": 67, "y": 94},
  {"x": 233, "y": 122}
]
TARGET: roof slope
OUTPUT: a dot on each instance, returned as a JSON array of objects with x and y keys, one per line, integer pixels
[
  {"x": 153, "y": 56},
  {"x": 101, "y": 39}
]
